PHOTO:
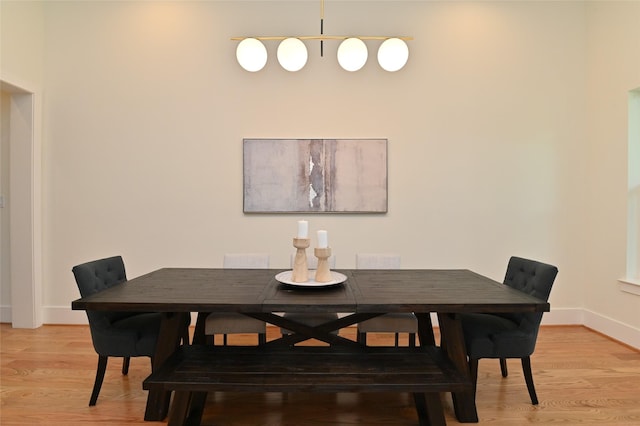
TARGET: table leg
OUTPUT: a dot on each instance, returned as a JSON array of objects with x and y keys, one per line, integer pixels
[
  {"x": 171, "y": 332},
  {"x": 198, "y": 334},
  {"x": 425, "y": 329},
  {"x": 452, "y": 339},
  {"x": 187, "y": 407}
]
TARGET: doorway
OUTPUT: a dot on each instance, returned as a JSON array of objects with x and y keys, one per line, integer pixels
[{"x": 20, "y": 212}]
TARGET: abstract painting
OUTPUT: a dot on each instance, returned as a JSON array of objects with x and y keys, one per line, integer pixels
[{"x": 315, "y": 175}]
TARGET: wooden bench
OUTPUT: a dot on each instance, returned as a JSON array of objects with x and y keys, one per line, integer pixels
[{"x": 195, "y": 370}]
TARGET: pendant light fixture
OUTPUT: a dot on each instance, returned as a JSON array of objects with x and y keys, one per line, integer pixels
[{"x": 292, "y": 54}]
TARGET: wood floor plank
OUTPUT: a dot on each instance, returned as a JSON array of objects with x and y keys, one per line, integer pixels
[{"x": 582, "y": 378}]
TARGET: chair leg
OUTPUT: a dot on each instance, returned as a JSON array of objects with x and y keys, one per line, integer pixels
[
  {"x": 224, "y": 340},
  {"x": 210, "y": 339},
  {"x": 362, "y": 338},
  {"x": 503, "y": 367},
  {"x": 528, "y": 377},
  {"x": 473, "y": 372},
  {"x": 102, "y": 368},
  {"x": 125, "y": 365},
  {"x": 412, "y": 340},
  {"x": 185, "y": 336},
  {"x": 262, "y": 338},
  {"x": 397, "y": 339}
]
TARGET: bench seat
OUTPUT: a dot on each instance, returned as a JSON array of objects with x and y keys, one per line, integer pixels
[{"x": 195, "y": 370}]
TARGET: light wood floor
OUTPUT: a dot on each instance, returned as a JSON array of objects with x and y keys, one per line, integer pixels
[{"x": 581, "y": 377}]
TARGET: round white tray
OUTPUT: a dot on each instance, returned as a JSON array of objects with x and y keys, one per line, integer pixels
[{"x": 285, "y": 278}]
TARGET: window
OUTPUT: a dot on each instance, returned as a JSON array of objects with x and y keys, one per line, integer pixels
[{"x": 632, "y": 281}]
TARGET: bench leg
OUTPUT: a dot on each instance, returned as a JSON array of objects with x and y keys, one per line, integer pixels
[
  {"x": 198, "y": 400},
  {"x": 179, "y": 409},
  {"x": 187, "y": 408},
  {"x": 429, "y": 408}
]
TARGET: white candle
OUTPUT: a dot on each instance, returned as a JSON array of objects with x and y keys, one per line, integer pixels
[
  {"x": 303, "y": 229},
  {"x": 323, "y": 240}
]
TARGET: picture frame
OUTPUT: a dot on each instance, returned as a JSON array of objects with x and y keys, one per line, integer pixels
[{"x": 315, "y": 175}]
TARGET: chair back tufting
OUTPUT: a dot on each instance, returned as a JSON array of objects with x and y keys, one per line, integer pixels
[
  {"x": 98, "y": 275},
  {"x": 531, "y": 277}
]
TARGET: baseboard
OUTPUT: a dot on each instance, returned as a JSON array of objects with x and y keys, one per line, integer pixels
[
  {"x": 559, "y": 316},
  {"x": 564, "y": 316},
  {"x": 612, "y": 328},
  {"x": 63, "y": 315}
]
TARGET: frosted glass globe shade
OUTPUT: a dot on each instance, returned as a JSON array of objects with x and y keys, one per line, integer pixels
[
  {"x": 251, "y": 54},
  {"x": 352, "y": 54},
  {"x": 292, "y": 54},
  {"x": 393, "y": 54}
]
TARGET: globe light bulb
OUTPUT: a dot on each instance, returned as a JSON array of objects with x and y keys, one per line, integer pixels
[
  {"x": 393, "y": 54},
  {"x": 251, "y": 54},
  {"x": 352, "y": 54},
  {"x": 292, "y": 54}
]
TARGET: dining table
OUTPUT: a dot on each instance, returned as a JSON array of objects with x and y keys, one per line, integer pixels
[{"x": 356, "y": 294}]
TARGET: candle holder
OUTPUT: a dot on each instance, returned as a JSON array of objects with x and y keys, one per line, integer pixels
[
  {"x": 300, "y": 273},
  {"x": 323, "y": 274}
]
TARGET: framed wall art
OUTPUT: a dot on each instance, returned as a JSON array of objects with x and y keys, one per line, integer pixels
[{"x": 315, "y": 175}]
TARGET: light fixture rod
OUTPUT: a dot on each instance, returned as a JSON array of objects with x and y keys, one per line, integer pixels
[
  {"x": 323, "y": 37},
  {"x": 322, "y": 40},
  {"x": 321, "y": 27}
]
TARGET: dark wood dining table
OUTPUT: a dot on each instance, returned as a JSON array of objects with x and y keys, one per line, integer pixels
[{"x": 176, "y": 292}]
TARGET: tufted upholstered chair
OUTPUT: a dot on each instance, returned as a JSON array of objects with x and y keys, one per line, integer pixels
[
  {"x": 114, "y": 334},
  {"x": 510, "y": 335},
  {"x": 231, "y": 322},
  {"x": 400, "y": 322},
  {"x": 311, "y": 319}
]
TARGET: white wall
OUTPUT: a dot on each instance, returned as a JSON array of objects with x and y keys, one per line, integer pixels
[
  {"x": 21, "y": 44},
  {"x": 146, "y": 109}
]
